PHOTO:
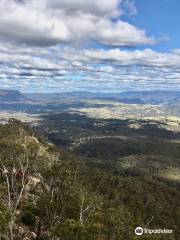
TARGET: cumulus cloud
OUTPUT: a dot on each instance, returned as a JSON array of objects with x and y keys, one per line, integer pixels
[
  {"x": 26, "y": 24},
  {"x": 146, "y": 57},
  {"x": 103, "y": 7},
  {"x": 121, "y": 34},
  {"x": 68, "y": 69},
  {"x": 49, "y": 22},
  {"x": 47, "y": 45}
]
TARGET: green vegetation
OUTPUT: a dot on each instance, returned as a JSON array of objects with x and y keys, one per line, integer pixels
[
  {"x": 101, "y": 189},
  {"x": 66, "y": 128}
]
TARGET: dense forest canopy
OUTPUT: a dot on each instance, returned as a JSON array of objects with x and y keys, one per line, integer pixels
[{"x": 100, "y": 190}]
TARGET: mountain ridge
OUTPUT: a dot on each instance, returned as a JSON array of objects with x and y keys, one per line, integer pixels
[
  {"x": 12, "y": 96},
  {"x": 131, "y": 97}
]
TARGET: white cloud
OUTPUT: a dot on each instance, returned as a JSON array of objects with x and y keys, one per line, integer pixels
[
  {"x": 39, "y": 50},
  {"x": 95, "y": 7},
  {"x": 49, "y": 22},
  {"x": 146, "y": 57},
  {"x": 19, "y": 23},
  {"x": 176, "y": 51},
  {"x": 121, "y": 34},
  {"x": 67, "y": 69}
]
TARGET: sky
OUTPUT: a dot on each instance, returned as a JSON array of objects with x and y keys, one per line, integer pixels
[{"x": 89, "y": 45}]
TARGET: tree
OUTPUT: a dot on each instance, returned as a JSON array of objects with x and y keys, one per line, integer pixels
[{"x": 14, "y": 168}]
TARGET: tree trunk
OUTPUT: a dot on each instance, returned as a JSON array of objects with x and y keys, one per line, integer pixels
[{"x": 39, "y": 229}]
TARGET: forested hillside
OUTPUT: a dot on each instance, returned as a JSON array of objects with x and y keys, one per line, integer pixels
[{"x": 47, "y": 193}]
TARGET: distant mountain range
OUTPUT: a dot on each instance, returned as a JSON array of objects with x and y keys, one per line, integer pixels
[
  {"x": 166, "y": 101},
  {"x": 129, "y": 97},
  {"x": 170, "y": 98},
  {"x": 11, "y": 96}
]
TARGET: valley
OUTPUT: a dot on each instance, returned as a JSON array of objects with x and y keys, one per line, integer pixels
[
  {"x": 121, "y": 160},
  {"x": 89, "y": 120}
]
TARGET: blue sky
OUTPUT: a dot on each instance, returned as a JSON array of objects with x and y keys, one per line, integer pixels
[
  {"x": 89, "y": 45},
  {"x": 161, "y": 18}
]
